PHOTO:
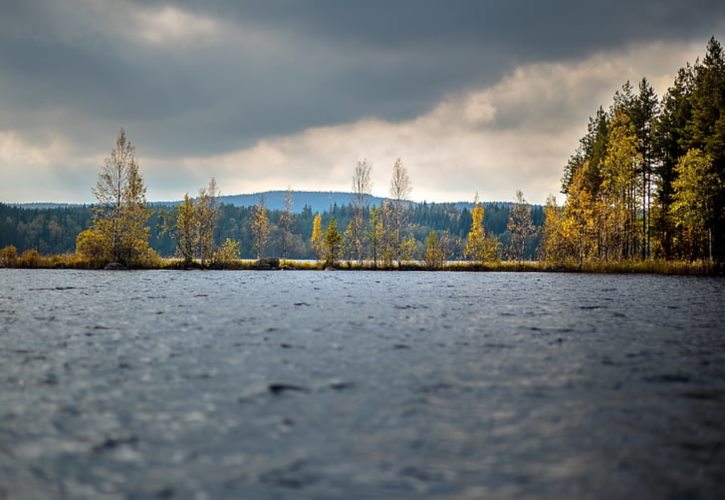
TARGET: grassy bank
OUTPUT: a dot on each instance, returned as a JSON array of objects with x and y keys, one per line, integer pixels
[{"x": 33, "y": 260}]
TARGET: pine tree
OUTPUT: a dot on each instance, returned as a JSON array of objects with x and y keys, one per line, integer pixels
[
  {"x": 706, "y": 128},
  {"x": 591, "y": 150},
  {"x": 670, "y": 138},
  {"x": 333, "y": 243},
  {"x": 643, "y": 115}
]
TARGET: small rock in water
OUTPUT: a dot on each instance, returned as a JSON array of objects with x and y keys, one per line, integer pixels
[{"x": 278, "y": 389}]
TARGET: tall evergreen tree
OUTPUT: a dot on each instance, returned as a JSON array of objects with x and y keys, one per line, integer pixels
[
  {"x": 643, "y": 115},
  {"x": 707, "y": 127},
  {"x": 670, "y": 140}
]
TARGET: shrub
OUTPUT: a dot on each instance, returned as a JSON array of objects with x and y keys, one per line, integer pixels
[
  {"x": 93, "y": 246},
  {"x": 227, "y": 255},
  {"x": 29, "y": 258},
  {"x": 8, "y": 256}
]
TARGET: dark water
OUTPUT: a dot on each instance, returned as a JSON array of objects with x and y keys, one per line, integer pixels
[{"x": 360, "y": 385}]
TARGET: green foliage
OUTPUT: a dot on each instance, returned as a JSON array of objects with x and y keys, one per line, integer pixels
[
  {"x": 408, "y": 249},
  {"x": 227, "y": 254},
  {"x": 121, "y": 213},
  {"x": 316, "y": 240},
  {"x": 694, "y": 203},
  {"x": 94, "y": 246},
  {"x": 434, "y": 255},
  {"x": 659, "y": 187},
  {"x": 520, "y": 226},
  {"x": 186, "y": 230},
  {"x": 260, "y": 228},
  {"x": 480, "y": 247},
  {"x": 333, "y": 243}
]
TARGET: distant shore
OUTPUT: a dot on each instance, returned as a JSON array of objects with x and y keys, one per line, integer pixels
[{"x": 696, "y": 268}]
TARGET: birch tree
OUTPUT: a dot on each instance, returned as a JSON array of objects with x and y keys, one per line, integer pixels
[
  {"x": 260, "y": 227},
  {"x": 400, "y": 189},
  {"x": 361, "y": 186},
  {"x": 286, "y": 220},
  {"x": 121, "y": 213},
  {"x": 520, "y": 227},
  {"x": 207, "y": 215}
]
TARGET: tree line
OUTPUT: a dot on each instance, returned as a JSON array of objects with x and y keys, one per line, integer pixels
[
  {"x": 382, "y": 235},
  {"x": 122, "y": 227},
  {"x": 647, "y": 181}
]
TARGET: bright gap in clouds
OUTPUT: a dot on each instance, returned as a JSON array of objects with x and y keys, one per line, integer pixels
[{"x": 516, "y": 134}]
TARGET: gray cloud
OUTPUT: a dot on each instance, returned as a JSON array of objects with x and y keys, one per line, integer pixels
[{"x": 191, "y": 79}]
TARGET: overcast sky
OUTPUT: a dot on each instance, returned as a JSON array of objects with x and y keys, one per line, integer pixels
[{"x": 487, "y": 96}]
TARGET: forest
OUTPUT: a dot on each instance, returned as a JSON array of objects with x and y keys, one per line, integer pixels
[
  {"x": 646, "y": 184},
  {"x": 648, "y": 179},
  {"x": 54, "y": 230}
]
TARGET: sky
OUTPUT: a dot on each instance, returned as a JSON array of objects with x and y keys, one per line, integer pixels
[{"x": 473, "y": 96}]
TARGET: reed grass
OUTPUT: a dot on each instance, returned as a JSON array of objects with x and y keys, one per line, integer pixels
[{"x": 32, "y": 259}]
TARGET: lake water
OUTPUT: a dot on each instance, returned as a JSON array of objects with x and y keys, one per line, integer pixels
[{"x": 360, "y": 384}]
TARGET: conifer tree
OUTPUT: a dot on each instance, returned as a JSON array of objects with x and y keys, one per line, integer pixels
[
  {"x": 643, "y": 119},
  {"x": 333, "y": 243},
  {"x": 706, "y": 128},
  {"x": 670, "y": 137}
]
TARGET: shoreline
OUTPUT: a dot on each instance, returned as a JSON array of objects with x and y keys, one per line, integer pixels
[{"x": 679, "y": 268}]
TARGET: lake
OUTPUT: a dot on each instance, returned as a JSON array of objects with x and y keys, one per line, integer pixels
[{"x": 360, "y": 384}]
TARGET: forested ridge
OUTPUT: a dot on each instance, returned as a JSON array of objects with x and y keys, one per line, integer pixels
[{"x": 54, "y": 230}]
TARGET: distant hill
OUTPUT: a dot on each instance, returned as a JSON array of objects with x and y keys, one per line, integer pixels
[
  {"x": 318, "y": 201},
  {"x": 44, "y": 205}
]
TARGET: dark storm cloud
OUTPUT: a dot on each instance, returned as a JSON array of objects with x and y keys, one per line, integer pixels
[
  {"x": 520, "y": 26},
  {"x": 335, "y": 61}
]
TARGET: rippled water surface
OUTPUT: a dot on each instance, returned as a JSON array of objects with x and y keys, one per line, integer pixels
[{"x": 358, "y": 385}]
